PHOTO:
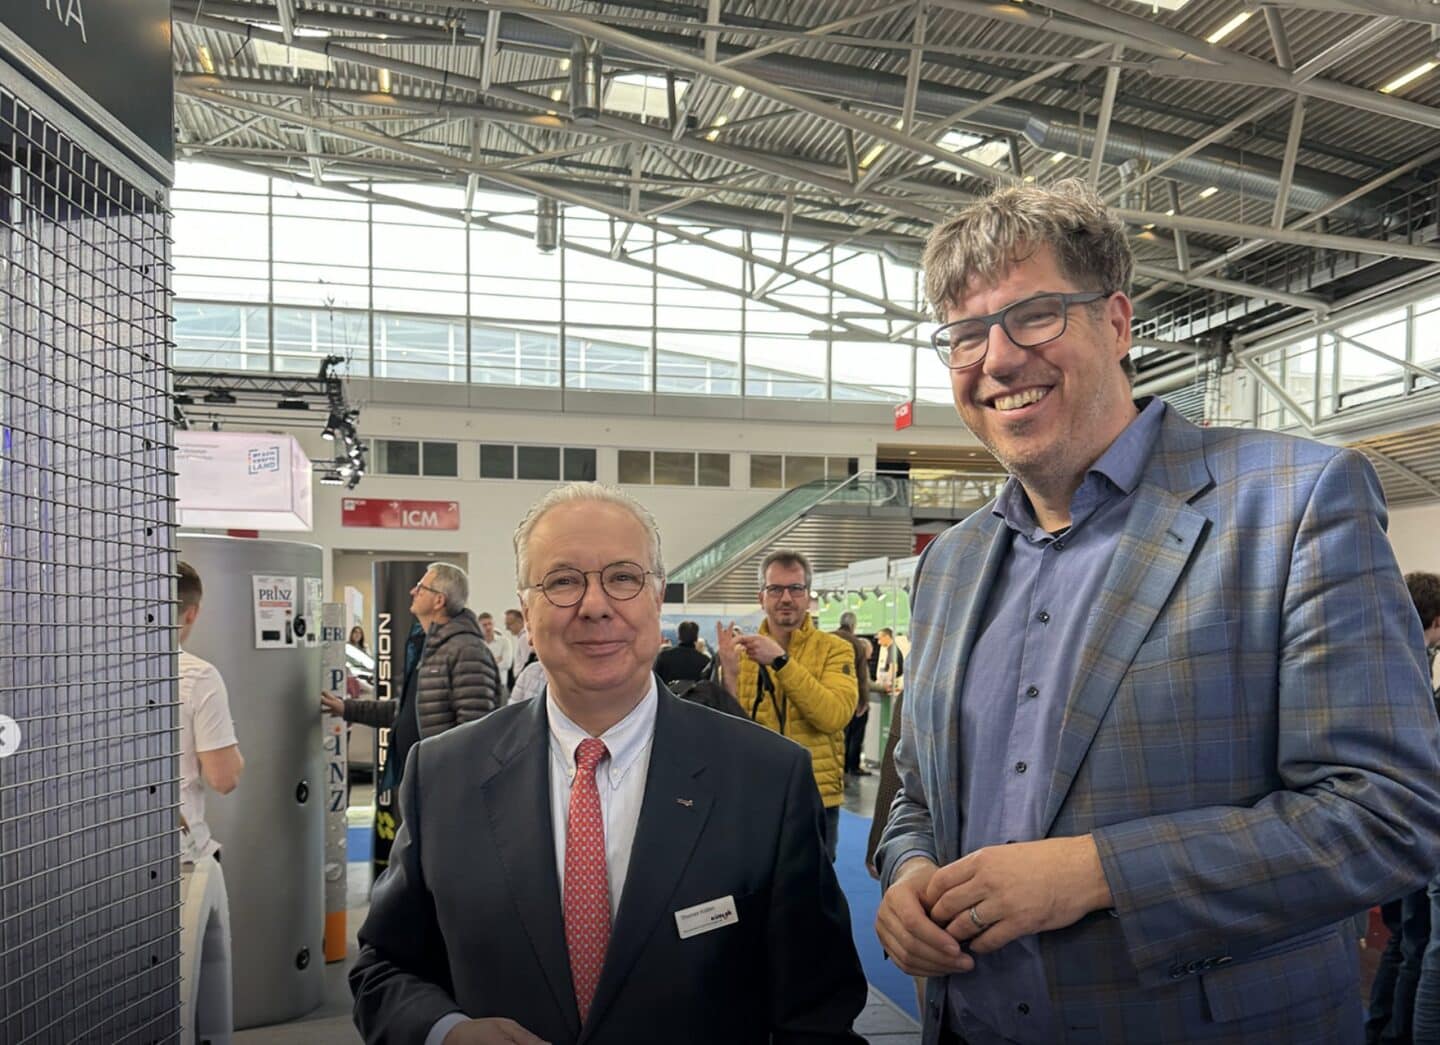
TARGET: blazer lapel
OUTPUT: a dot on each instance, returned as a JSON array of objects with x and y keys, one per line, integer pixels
[
  {"x": 1160, "y": 534},
  {"x": 665, "y": 838},
  {"x": 517, "y": 797},
  {"x": 966, "y": 608}
]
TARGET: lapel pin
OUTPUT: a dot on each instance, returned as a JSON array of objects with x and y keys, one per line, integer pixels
[{"x": 686, "y": 802}]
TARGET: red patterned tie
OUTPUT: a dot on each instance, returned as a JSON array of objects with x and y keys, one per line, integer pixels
[{"x": 587, "y": 880}]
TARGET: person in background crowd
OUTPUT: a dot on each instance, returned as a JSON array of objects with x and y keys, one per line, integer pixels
[
  {"x": 794, "y": 678},
  {"x": 357, "y": 638},
  {"x": 683, "y": 662},
  {"x": 530, "y": 683},
  {"x": 500, "y": 644},
  {"x": 209, "y": 759},
  {"x": 855, "y": 728},
  {"x": 450, "y": 677},
  {"x": 1410, "y": 963},
  {"x": 209, "y": 751},
  {"x": 889, "y": 662},
  {"x": 606, "y": 863},
  {"x": 1167, "y": 726},
  {"x": 520, "y": 637}
]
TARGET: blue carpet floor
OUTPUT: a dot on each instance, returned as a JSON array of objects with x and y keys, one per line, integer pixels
[
  {"x": 358, "y": 843},
  {"x": 863, "y": 894}
]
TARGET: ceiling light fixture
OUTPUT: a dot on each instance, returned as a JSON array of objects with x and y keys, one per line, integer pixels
[
  {"x": 1056, "y": 157},
  {"x": 1229, "y": 27},
  {"x": 1408, "y": 78},
  {"x": 206, "y": 61},
  {"x": 737, "y": 93},
  {"x": 873, "y": 155},
  {"x": 1209, "y": 191},
  {"x": 384, "y": 81}
]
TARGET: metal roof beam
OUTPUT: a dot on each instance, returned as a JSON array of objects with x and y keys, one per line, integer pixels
[
  {"x": 567, "y": 195},
  {"x": 756, "y": 84}
]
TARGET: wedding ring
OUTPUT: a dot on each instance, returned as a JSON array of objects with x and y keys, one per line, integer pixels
[{"x": 975, "y": 917}]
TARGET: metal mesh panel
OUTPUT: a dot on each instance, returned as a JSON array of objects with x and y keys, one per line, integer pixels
[{"x": 89, "y": 863}]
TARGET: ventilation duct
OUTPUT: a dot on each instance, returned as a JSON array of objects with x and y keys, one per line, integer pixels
[
  {"x": 547, "y": 224},
  {"x": 586, "y": 84}
]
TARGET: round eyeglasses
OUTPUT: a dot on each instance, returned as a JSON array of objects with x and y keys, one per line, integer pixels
[
  {"x": 566, "y": 586},
  {"x": 1030, "y": 323}
]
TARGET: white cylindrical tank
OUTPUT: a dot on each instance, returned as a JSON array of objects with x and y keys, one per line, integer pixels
[{"x": 271, "y": 828}]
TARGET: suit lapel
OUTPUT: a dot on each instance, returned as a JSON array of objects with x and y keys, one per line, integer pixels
[
  {"x": 966, "y": 608},
  {"x": 665, "y": 838},
  {"x": 517, "y": 797},
  {"x": 1160, "y": 534}
]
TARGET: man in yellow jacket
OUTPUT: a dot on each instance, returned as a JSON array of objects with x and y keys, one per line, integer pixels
[{"x": 795, "y": 679}]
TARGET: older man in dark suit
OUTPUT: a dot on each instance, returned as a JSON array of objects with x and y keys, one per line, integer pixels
[{"x": 607, "y": 864}]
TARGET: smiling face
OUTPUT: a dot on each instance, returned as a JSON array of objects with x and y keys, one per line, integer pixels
[
  {"x": 1046, "y": 413},
  {"x": 598, "y": 653}
]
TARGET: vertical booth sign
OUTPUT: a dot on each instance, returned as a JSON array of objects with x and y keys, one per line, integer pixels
[
  {"x": 391, "y": 581},
  {"x": 332, "y": 679}
]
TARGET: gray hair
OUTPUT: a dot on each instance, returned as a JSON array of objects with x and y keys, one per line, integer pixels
[
  {"x": 451, "y": 582},
  {"x": 847, "y": 621},
  {"x": 582, "y": 493},
  {"x": 786, "y": 557},
  {"x": 994, "y": 234}
]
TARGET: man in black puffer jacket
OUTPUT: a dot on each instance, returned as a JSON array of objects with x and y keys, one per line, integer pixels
[{"x": 453, "y": 680}]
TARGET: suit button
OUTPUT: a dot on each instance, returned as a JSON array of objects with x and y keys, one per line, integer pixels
[
  {"x": 1020, "y": 767},
  {"x": 1023, "y": 1009}
]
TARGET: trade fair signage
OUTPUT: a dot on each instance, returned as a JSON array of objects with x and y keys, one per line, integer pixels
[
  {"x": 242, "y": 481},
  {"x": 116, "y": 51},
  {"x": 400, "y": 515}
]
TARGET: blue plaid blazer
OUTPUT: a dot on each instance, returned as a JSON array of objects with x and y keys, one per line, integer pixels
[{"x": 1250, "y": 739}]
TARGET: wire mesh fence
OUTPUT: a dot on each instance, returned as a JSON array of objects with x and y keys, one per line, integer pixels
[{"x": 89, "y": 858}]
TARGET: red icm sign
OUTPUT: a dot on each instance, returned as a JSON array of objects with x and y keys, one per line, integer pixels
[
  {"x": 905, "y": 414},
  {"x": 400, "y": 515}
]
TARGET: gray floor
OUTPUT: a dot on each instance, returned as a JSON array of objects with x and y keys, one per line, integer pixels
[{"x": 882, "y": 1022}]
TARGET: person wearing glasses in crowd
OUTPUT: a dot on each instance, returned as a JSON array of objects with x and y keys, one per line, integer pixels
[
  {"x": 794, "y": 678},
  {"x": 606, "y": 862},
  {"x": 450, "y": 676},
  {"x": 1167, "y": 725}
]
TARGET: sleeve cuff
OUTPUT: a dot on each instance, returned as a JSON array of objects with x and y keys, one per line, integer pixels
[
  {"x": 443, "y": 1026},
  {"x": 888, "y": 874}
]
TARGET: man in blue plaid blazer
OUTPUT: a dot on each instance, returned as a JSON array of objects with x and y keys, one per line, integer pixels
[{"x": 1167, "y": 723}]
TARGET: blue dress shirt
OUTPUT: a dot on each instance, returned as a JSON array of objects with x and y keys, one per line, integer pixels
[{"x": 1012, "y": 704}]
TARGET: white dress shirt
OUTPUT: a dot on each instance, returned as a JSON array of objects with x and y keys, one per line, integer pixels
[
  {"x": 620, "y": 780},
  {"x": 502, "y": 648}
]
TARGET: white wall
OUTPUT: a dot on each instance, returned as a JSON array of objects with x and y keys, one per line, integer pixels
[
  {"x": 490, "y": 509},
  {"x": 1415, "y": 536}
]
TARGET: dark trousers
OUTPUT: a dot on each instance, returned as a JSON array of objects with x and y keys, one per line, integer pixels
[
  {"x": 1392, "y": 997},
  {"x": 830, "y": 831},
  {"x": 855, "y": 741}
]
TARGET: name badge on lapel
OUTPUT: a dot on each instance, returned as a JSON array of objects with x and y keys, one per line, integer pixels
[{"x": 706, "y": 917}]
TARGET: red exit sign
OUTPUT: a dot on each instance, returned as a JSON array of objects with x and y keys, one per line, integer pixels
[{"x": 400, "y": 515}]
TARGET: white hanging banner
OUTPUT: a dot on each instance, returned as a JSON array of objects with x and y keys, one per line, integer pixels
[{"x": 331, "y": 628}]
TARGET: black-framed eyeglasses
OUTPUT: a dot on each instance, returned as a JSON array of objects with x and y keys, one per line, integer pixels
[
  {"x": 1030, "y": 323},
  {"x": 775, "y": 591},
  {"x": 565, "y": 586}
]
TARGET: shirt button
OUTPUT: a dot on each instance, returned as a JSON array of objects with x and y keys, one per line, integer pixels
[
  {"x": 1060, "y": 546},
  {"x": 1023, "y": 1009},
  {"x": 1043, "y": 617},
  {"x": 1032, "y": 692},
  {"x": 1020, "y": 767}
]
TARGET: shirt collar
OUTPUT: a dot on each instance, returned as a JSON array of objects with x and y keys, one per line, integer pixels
[
  {"x": 1122, "y": 464},
  {"x": 626, "y": 740}
]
